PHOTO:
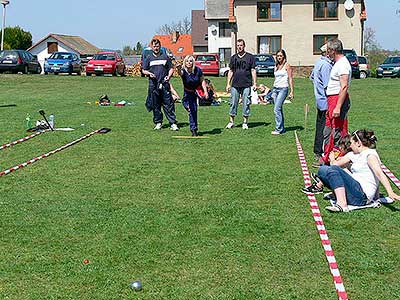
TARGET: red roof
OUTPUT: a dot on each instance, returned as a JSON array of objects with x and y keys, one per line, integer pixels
[{"x": 182, "y": 47}]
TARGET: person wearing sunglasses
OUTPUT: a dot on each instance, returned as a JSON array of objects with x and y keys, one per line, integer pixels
[{"x": 359, "y": 186}]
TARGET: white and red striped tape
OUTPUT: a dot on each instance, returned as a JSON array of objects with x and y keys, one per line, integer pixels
[
  {"x": 35, "y": 159},
  {"x": 2, "y": 147},
  {"x": 391, "y": 176},
  {"x": 330, "y": 256}
]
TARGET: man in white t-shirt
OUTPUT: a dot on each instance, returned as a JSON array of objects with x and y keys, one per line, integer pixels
[{"x": 336, "y": 124}]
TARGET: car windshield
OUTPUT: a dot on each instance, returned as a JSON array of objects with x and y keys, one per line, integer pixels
[
  {"x": 264, "y": 58},
  {"x": 8, "y": 53},
  {"x": 392, "y": 60},
  {"x": 105, "y": 56},
  {"x": 60, "y": 56},
  {"x": 206, "y": 58},
  {"x": 351, "y": 57},
  {"x": 362, "y": 60}
]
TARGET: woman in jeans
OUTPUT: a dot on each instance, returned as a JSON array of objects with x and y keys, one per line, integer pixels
[
  {"x": 360, "y": 185},
  {"x": 283, "y": 79}
]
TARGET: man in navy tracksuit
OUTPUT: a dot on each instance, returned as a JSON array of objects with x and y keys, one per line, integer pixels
[{"x": 158, "y": 67}]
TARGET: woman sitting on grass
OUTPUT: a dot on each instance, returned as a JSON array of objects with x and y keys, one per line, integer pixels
[{"x": 360, "y": 185}]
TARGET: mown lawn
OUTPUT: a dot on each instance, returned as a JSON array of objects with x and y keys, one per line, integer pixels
[{"x": 215, "y": 218}]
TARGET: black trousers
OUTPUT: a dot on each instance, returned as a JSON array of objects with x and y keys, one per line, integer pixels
[
  {"x": 161, "y": 97},
  {"x": 319, "y": 132}
]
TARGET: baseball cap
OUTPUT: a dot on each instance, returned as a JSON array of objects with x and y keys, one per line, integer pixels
[{"x": 324, "y": 48}]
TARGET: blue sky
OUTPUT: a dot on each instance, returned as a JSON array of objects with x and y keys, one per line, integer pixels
[{"x": 114, "y": 24}]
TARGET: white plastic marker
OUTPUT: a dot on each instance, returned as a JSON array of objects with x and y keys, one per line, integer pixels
[
  {"x": 22, "y": 139},
  {"x": 35, "y": 159},
  {"x": 323, "y": 234}
]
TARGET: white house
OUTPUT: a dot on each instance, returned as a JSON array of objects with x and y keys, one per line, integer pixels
[{"x": 59, "y": 43}]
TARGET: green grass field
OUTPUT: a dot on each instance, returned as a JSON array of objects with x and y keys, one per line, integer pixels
[{"x": 216, "y": 218}]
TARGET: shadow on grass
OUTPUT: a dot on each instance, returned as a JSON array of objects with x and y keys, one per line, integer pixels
[
  {"x": 180, "y": 125},
  {"x": 293, "y": 128},
  {"x": 213, "y": 131},
  {"x": 257, "y": 124},
  {"x": 391, "y": 207}
]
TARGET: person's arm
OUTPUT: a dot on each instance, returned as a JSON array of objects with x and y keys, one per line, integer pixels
[
  {"x": 204, "y": 86},
  {"x": 174, "y": 92},
  {"x": 344, "y": 86},
  {"x": 375, "y": 165},
  {"x": 228, "y": 82},
  {"x": 254, "y": 77},
  {"x": 290, "y": 75},
  {"x": 338, "y": 161}
]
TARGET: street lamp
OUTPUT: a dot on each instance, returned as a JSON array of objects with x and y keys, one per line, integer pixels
[{"x": 4, "y": 2}]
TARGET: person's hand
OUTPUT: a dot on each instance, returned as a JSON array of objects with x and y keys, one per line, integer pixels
[
  {"x": 336, "y": 112},
  {"x": 206, "y": 95},
  {"x": 254, "y": 87},
  {"x": 166, "y": 78},
  {"x": 228, "y": 88},
  {"x": 332, "y": 156},
  {"x": 291, "y": 95},
  {"x": 394, "y": 196},
  {"x": 151, "y": 75}
]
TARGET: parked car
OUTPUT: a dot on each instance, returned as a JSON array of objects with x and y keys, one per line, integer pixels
[
  {"x": 389, "y": 68},
  {"x": 15, "y": 61},
  {"x": 365, "y": 71},
  {"x": 351, "y": 55},
  {"x": 62, "y": 62},
  {"x": 223, "y": 72},
  {"x": 208, "y": 63},
  {"x": 106, "y": 62},
  {"x": 265, "y": 64}
]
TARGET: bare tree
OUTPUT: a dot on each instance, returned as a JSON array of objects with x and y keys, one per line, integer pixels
[
  {"x": 370, "y": 42},
  {"x": 183, "y": 26}
]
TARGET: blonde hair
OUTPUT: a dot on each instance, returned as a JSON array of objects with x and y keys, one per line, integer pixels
[{"x": 186, "y": 59}]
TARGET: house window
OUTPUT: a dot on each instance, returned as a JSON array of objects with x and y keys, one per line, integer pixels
[
  {"x": 225, "y": 55},
  {"x": 52, "y": 47},
  {"x": 225, "y": 29},
  {"x": 269, "y": 44},
  {"x": 326, "y": 9},
  {"x": 320, "y": 40},
  {"x": 269, "y": 11}
]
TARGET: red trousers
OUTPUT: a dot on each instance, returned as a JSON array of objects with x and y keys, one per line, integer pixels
[{"x": 335, "y": 128}]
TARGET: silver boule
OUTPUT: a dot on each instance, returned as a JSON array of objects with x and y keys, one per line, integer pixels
[{"x": 136, "y": 285}]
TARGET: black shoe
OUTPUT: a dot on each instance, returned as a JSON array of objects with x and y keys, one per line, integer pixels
[
  {"x": 195, "y": 133},
  {"x": 315, "y": 178},
  {"x": 312, "y": 189}
]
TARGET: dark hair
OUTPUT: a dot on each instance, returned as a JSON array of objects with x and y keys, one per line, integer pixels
[
  {"x": 207, "y": 80},
  {"x": 344, "y": 143},
  {"x": 366, "y": 137},
  {"x": 284, "y": 56},
  {"x": 241, "y": 41},
  {"x": 155, "y": 42}
]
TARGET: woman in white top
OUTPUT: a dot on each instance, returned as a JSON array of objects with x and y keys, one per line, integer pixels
[
  {"x": 361, "y": 185},
  {"x": 283, "y": 79}
]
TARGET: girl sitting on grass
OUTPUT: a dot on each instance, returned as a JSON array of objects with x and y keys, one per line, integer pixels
[{"x": 359, "y": 186}]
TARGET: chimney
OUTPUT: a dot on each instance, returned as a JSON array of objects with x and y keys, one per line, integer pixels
[{"x": 175, "y": 36}]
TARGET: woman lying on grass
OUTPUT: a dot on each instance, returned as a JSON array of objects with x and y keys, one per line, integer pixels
[{"x": 359, "y": 186}]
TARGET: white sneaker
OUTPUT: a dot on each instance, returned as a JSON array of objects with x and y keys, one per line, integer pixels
[
  {"x": 174, "y": 127},
  {"x": 158, "y": 126},
  {"x": 287, "y": 101},
  {"x": 275, "y": 132},
  {"x": 230, "y": 125},
  {"x": 245, "y": 126}
]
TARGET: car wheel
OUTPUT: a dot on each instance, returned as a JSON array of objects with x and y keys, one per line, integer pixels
[
  {"x": 55, "y": 73},
  {"x": 123, "y": 72},
  {"x": 39, "y": 69},
  {"x": 115, "y": 72},
  {"x": 26, "y": 70},
  {"x": 79, "y": 72},
  {"x": 88, "y": 74},
  {"x": 363, "y": 75},
  {"x": 46, "y": 73}
]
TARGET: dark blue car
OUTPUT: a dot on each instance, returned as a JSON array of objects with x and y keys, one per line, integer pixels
[
  {"x": 265, "y": 64},
  {"x": 62, "y": 62}
]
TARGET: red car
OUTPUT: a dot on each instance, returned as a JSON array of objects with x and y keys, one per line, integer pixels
[
  {"x": 106, "y": 63},
  {"x": 208, "y": 63}
]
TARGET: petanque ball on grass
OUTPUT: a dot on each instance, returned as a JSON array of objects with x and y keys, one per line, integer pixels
[{"x": 136, "y": 285}]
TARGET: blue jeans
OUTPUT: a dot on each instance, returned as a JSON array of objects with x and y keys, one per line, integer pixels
[
  {"x": 246, "y": 101},
  {"x": 279, "y": 95},
  {"x": 189, "y": 102},
  {"x": 335, "y": 177}
]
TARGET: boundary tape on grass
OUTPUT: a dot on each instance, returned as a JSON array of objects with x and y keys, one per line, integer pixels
[
  {"x": 323, "y": 234},
  {"x": 35, "y": 159},
  {"x": 391, "y": 176},
  {"x": 2, "y": 147}
]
